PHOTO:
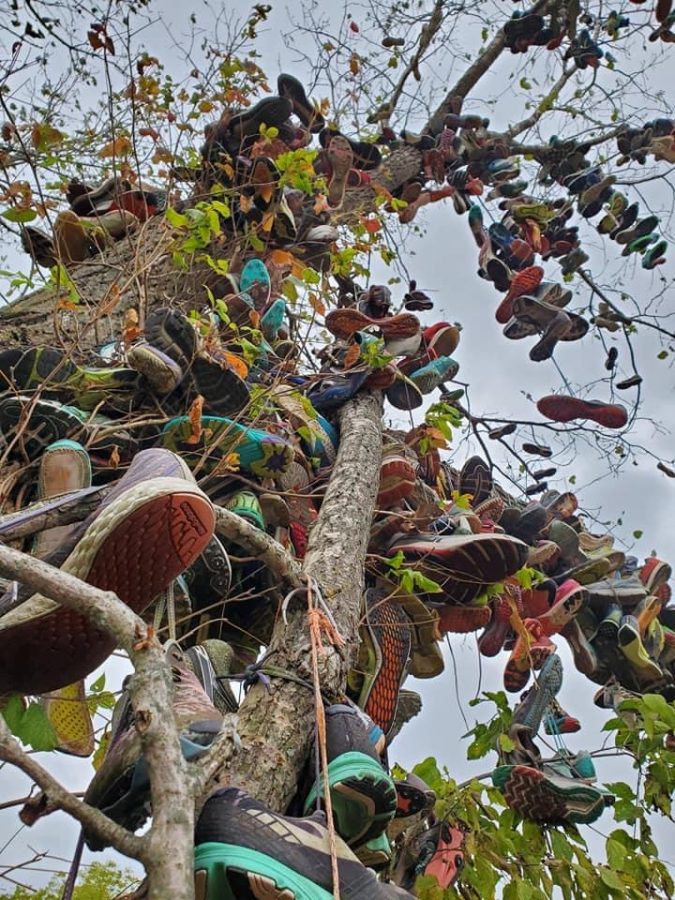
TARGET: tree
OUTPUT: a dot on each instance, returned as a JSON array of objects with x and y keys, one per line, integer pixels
[
  {"x": 149, "y": 123},
  {"x": 101, "y": 880}
]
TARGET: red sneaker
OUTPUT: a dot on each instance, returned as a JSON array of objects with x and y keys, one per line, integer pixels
[{"x": 560, "y": 408}]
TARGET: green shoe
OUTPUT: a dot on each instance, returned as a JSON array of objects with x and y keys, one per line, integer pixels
[
  {"x": 375, "y": 854},
  {"x": 362, "y": 792},
  {"x": 247, "y": 505},
  {"x": 630, "y": 644},
  {"x": 260, "y": 453},
  {"x": 50, "y": 370}
]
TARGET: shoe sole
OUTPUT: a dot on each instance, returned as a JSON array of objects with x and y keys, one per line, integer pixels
[
  {"x": 530, "y": 793},
  {"x": 391, "y": 634},
  {"x": 223, "y": 390},
  {"x": 363, "y": 795},
  {"x": 265, "y": 455},
  {"x": 63, "y": 645},
  {"x": 230, "y": 872}
]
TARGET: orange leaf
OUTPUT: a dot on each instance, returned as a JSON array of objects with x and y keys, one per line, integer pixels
[
  {"x": 195, "y": 417},
  {"x": 119, "y": 147},
  {"x": 354, "y": 64},
  {"x": 372, "y": 226},
  {"x": 236, "y": 362},
  {"x": 351, "y": 356},
  {"x": 317, "y": 304},
  {"x": 254, "y": 318},
  {"x": 114, "y": 460}
]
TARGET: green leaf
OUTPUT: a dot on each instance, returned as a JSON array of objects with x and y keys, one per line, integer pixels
[
  {"x": 98, "y": 685},
  {"x": 525, "y": 84},
  {"x": 397, "y": 560},
  {"x": 311, "y": 276},
  {"x": 612, "y": 880},
  {"x": 637, "y": 534},
  {"x": 178, "y": 220},
  {"x": 561, "y": 846},
  {"x": 19, "y": 215},
  {"x": 426, "y": 584},
  {"x": 662, "y": 355},
  {"x": 506, "y": 744},
  {"x": 36, "y": 729},
  {"x": 13, "y": 713},
  {"x": 429, "y": 772}
]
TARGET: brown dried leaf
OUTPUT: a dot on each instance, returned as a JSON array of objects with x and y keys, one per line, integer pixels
[
  {"x": 110, "y": 300},
  {"x": 317, "y": 304},
  {"x": 195, "y": 417}
]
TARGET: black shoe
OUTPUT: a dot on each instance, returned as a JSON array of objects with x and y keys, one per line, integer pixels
[
  {"x": 244, "y": 851},
  {"x": 290, "y": 88}
]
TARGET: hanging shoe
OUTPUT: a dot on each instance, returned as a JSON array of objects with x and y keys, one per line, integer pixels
[
  {"x": 560, "y": 408},
  {"x": 386, "y": 646},
  {"x": 121, "y": 786},
  {"x": 259, "y": 452},
  {"x": 435, "y": 850},
  {"x": 558, "y": 721},
  {"x": 462, "y": 564}
]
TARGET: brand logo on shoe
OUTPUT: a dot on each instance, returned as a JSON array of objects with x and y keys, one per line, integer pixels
[{"x": 192, "y": 518}]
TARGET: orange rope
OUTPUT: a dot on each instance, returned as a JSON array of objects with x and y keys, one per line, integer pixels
[{"x": 319, "y": 622}]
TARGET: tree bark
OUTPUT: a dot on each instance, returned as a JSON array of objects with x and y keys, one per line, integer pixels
[{"x": 275, "y": 722}]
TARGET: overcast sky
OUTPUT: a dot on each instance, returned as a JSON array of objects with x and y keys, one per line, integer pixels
[{"x": 502, "y": 380}]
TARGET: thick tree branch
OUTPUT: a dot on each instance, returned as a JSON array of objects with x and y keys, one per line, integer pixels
[
  {"x": 475, "y": 72},
  {"x": 276, "y": 723},
  {"x": 167, "y": 847},
  {"x": 63, "y": 510}
]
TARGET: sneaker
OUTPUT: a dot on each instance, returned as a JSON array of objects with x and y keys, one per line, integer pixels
[
  {"x": 145, "y": 533},
  {"x": 244, "y": 850},
  {"x": 434, "y": 849},
  {"x": 559, "y": 408},
  {"x": 384, "y": 654},
  {"x": 121, "y": 786},
  {"x": 362, "y": 792}
]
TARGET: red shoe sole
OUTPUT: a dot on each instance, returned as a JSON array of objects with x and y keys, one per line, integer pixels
[
  {"x": 139, "y": 559},
  {"x": 565, "y": 409}
]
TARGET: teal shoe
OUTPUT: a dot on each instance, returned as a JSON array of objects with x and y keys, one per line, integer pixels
[
  {"x": 362, "y": 792},
  {"x": 655, "y": 255},
  {"x": 273, "y": 319},
  {"x": 435, "y": 373},
  {"x": 260, "y": 453},
  {"x": 254, "y": 273}
]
